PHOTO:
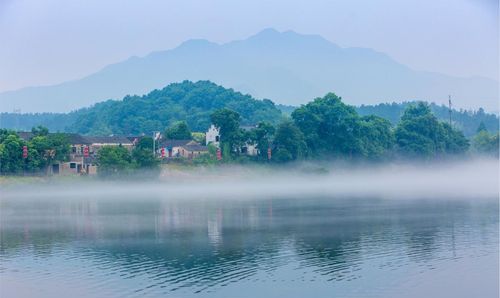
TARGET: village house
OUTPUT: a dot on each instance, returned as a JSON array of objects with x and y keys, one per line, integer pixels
[
  {"x": 83, "y": 152},
  {"x": 171, "y": 148},
  {"x": 181, "y": 148},
  {"x": 212, "y": 136},
  {"x": 191, "y": 151},
  {"x": 84, "y": 149}
]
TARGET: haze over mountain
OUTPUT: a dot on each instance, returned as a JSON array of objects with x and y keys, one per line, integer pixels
[{"x": 287, "y": 67}]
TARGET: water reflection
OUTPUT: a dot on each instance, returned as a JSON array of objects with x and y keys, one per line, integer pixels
[{"x": 216, "y": 248}]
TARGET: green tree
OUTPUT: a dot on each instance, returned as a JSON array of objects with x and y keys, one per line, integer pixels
[
  {"x": 481, "y": 127},
  {"x": 59, "y": 143},
  {"x": 40, "y": 153},
  {"x": 262, "y": 137},
  {"x": 114, "y": 160},
  {"x": 11, "y": 158},
  {"x": 486, "y": 143},
  {"x": 228, "y": 123},
  {"x": 455, "y": 141},
  {"x": 377, "y": 137},
  {"x": 144, "y": 159},
  {"x": 40, "y": 131},
  {"x": 145, "y": 143},
  {"x": 289, "y": 143},
  {"x": 142, "y": 156},
  {"x": 178, "y": 131},
  {"x": 420, "y": 134},
  {"x": 330, "y": 127}
]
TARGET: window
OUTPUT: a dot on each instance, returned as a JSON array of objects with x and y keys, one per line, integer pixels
[
  {"x": 73, "y": 149},
  {"x": 72, "y": 165},
  {"x": 217, "y": 138}
]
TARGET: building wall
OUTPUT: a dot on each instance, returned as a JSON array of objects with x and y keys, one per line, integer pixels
[
  {"x": 212, "y": 136},
  {"x": 190, "y": 154},
  {"x": 251, "y": 150}
]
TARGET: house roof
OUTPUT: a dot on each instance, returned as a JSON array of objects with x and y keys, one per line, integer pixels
[
  {"x": 176, "y": 143},
  {"x": 109, "y": 140},
  {"x": 74, "y": 138},
  {"x": 195, "y": 147},
  {"x": 77, "y": 139}
]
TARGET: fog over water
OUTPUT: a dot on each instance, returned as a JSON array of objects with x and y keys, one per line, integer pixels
[
  {"x": 307, "y": 230},
  {"x": 472, "y": 179}
]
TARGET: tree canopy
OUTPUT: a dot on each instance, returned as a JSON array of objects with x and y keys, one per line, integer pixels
[
  {"x": 42, "y": 149},
  {"x": 186, "y": 101},
  {"x": 420, "y": 134},
  {"x": 228, "y": 123},
  {"x": 178, "y": 131}
]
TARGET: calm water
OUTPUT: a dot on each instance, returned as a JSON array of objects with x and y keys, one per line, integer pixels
[{"x": 300, "y": 247}]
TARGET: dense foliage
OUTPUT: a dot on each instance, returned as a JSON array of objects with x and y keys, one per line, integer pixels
[
  {"x": 178, "y": 131},
  {"x": 42, "y": 150},
  {"x": 327, "y": 128},
  {"x": 289, "y": 143},
  {"x": 194, "y": 102},
  {"x": 119, "y": 161},
  {"x": 186, "y": 101},
  {"x": 56, "y": 122},
  {"x": 420, "y": 134},
  {"x": 486, "y": 143},
  {"x": 334, "y": 129}
]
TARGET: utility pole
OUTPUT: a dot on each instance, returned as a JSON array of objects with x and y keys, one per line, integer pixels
[
  {"x": 449, "y": 107},
  {"x": 155, "y": 136},
  {"x": 17, "y": 112},
  {"x": 154, "y": 143}
]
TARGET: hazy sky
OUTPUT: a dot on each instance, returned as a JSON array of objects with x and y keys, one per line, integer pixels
[{"x": 51, "y": 41}]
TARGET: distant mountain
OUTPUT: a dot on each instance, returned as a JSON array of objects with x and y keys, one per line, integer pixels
[{"x": 288, "y": 67}]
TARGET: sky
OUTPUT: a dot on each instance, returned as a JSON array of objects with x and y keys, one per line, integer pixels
[{"x": 52, "y": 41}]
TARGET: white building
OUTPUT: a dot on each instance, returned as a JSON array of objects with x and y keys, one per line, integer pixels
[{"x": 212, "y": 136}]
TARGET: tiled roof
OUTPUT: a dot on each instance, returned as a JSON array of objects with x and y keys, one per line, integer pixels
[
  {"x": 175, "y": 143},
  {"x": 77, "y": 139},
  {"x": 108, "y": 140},
  {"x": 195, "y": 147}
]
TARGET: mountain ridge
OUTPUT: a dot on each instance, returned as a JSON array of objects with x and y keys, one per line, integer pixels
[{"x": 289, "y": 67}]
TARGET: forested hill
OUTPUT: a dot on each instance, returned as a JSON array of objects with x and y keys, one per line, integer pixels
[
  {"x": 189, "y": 101},
  {"x": 466, "y": 121},
  {"x": 192, "y": 102}
]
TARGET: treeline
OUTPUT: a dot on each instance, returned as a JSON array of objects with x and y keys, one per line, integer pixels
[
  {"x": 466, "y": 121},
  {"x": 55, "y": 122},
  {"x": 326, "y": 128},
  {"x": 194, "y": 102}
]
